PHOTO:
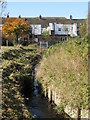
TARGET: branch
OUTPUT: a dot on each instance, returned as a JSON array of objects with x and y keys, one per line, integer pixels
[{"x": 3, "y": 5}]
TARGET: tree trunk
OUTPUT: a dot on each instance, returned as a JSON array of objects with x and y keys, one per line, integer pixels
[
  {"x": 6, "y": 42},
  {"x": 79, "y": 114},
  {"x": 17, "y": 39}
]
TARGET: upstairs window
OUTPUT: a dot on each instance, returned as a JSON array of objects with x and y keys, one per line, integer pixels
[
  {"x": 66, "y": 29},
  {"x": 59, "y": 29}
]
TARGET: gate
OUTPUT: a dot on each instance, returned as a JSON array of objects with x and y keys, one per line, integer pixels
[{"x": 43, "y": 44}]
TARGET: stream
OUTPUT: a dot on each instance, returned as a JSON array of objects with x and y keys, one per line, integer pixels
[{"x": 39, "y": 106}]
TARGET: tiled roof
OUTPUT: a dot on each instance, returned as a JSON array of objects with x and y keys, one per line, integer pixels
[{"x": 46, "y": 20}]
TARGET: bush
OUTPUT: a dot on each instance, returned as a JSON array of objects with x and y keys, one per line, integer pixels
[{"x": 18, "y": 64}]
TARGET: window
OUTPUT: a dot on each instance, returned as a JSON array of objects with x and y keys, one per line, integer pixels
[
  {"x": 66, "y": 29},
  {"x": 25, "y": 38},
  {"x": 59, "y": 29},
  {"x": 63, "y": 38}
]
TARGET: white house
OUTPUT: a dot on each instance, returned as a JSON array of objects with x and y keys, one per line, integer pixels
[
  {"x": 59, "y": 29},
  {"x": 64, "y": 29},
  {"x": 75, "y": 29},
  {"x": 36, "y": 29},
  {"x": 44, "y": 30}
]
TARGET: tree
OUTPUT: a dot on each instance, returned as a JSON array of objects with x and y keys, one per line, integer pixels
[
  {"x": 46, "y": 35},
  {"x": 3, "y": 4},
  {"x": 2, "y": 8},
  {"x": 15, "y": 27},
  {"x": 83, "y": 29}
]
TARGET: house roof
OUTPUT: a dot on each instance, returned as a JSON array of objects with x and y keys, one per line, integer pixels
[{"x": 44, "y": 21}]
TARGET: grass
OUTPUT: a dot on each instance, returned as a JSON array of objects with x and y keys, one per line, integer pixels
[
  {"x": 17, "y": 81},
  {"x": 65, "y": 65}
]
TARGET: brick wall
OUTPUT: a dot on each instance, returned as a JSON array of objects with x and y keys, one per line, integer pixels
[{"x": 53, "y": 38}]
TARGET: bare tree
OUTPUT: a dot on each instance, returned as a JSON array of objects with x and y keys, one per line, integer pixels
[{"x": 3, "y": 4}]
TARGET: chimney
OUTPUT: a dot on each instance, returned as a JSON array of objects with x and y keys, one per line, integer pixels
[
  {"x": 25, "y": 19},
  {"x": 19, "y": 16},
  {"x": 70, "y": 17},
  {"x": 8, "y": 15},
  {"x": 40, "y": 17}
]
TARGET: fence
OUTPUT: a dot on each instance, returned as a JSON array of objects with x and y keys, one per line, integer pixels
[{"x": 43, "y": 44}]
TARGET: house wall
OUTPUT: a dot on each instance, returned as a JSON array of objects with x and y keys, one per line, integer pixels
[
  {"x": 25, "y": 38},
  {"x": 59, "y": 29},
  {"x": 36, "y": 29},
  {"x": 53, "y": 38},
  {"x": 72, "y": 29},
  {"x": 10, "y": 39},
  {"x": 53, "y": 24},
  {"x": 75, "y": 29}
]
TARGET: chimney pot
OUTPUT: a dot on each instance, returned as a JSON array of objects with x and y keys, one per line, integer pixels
[
  {"x": 19, "y": 16},
  {"x": 70, "y": 17},
  {"x": 8, "y": 15},
  {"x": 40, "y": 17},
  {"x": 25, "y": 19}
]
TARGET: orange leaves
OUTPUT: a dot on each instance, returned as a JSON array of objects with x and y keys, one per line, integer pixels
[{"x": 15, "y": 26}]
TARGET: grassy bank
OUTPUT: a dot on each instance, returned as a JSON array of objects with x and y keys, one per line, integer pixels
[
  {"x": 65, "y": 66},
  {"x": 18, "y": 64}
]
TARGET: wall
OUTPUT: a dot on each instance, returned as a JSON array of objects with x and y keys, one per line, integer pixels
[
  {"x": 53, "y": 95},
  {"x": 53, "y": 38},
  {"x": 72, "y": 29},
  {"x": 36, "y": 29}
]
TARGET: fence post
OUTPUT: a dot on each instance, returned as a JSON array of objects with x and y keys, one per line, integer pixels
[
  {"x": 40, "y": 44},
  {"x": 47, "y": 44}
]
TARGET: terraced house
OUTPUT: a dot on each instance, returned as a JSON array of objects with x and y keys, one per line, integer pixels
[{"x": 58, "y": 28}]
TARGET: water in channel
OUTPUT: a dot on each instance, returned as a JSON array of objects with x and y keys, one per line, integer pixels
[{"x": 39, "y": 105}]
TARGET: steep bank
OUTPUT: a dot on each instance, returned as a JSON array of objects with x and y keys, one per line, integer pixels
[
  {"x": 63, "y": 74},
  {"x": 39, "y": 105},
  {"x": 17, "y": 81}
]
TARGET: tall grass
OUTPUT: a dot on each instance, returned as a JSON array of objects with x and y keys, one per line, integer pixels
[{"x": 65, "y": 65}]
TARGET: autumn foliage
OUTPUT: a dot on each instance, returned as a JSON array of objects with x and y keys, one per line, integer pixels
[{"x": 15, "y": 27}]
